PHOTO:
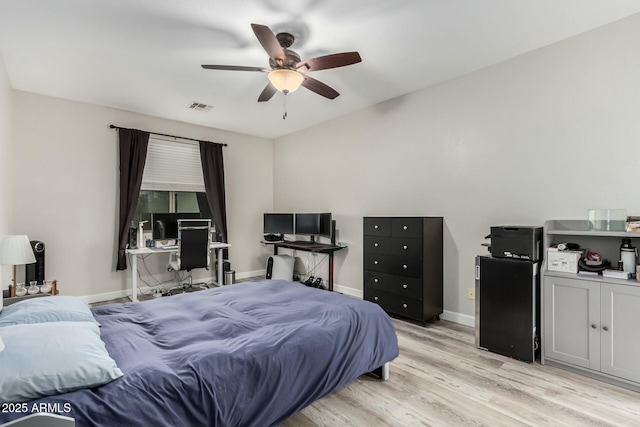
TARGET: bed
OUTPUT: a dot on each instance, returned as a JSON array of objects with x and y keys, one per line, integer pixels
[{"x": 250, "y": 354}]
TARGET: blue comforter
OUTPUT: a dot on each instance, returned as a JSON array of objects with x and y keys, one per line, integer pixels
[{"x": 251, "y": 354}]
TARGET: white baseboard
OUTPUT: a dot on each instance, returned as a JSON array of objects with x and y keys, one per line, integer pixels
[
  {"x": 347, "y": 290},
  {"x": 107, "y": 296},
  {"x": 255, "y": 273},
  {"x": 463, "y": 319}
]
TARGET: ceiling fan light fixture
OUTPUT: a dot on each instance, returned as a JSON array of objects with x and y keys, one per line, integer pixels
[{"x": 286, "y": 80}]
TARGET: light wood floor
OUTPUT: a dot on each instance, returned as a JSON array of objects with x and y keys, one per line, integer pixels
[{"x": 441, "y": 379}]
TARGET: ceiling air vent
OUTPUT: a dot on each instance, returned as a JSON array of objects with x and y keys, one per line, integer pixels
[{"x": 200, "y": 107}]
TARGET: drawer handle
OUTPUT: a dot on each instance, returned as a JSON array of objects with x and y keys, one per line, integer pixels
[
  {"x": 404, "y": 266},
  {"x": 405, "y": 227},
  {"x": 404, "y": 247},
  {"x": 376, "y": 244},
  {"x": 404, "y": 305},
  {"x": 376, "y": 226},
  {"x": 404, "y": 286},
  {"x": 375, "y": 280},
  {"x": 375, "y": 262},
  {"x": 593, "y": 326},
  {"x": 604, "y": 328},
  {"x": 375, "y": 298}
]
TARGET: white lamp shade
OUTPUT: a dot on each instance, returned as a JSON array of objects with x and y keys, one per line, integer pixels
[
  {"x": 16, "y": 250},
  {"x": 286, "y": 80}
]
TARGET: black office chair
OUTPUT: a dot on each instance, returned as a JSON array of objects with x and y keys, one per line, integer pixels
[{"x": 194, "y": 241}]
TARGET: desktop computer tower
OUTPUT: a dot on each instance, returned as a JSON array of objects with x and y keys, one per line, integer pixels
[
  {"x": 280, "y": 267},
  {"x": 133, "y": 238},
  {"x": 35, "y": 271}
]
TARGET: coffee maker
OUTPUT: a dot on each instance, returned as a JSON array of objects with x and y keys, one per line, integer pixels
[{"x": 628, "y": 256}]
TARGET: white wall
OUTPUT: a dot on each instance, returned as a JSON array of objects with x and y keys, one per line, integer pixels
[
  {"x": 66, "y": 167},
  {"x": 6, "y": 164},
  {"x": 549, "y": 134}
]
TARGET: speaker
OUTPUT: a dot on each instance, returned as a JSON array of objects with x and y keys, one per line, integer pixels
[
  {"x": 280, "y": 267},
  {"x": 133, "y": 238},
  {"x": 35, "y": 271}
]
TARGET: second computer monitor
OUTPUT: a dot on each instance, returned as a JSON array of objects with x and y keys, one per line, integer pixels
[
  {"x": 314, "y": 224},
  {"x": 165, "y": 225},
  {"x": 278, "y": 223}
]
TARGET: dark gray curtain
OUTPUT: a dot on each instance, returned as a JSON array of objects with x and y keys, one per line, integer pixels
[
  {"x": 203, "y": 205},
  {"x": 133, "y": 154},
  {"x": 213, "y": 172}
]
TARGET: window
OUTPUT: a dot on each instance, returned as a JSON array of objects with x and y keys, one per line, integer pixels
[{"x": 172, "y": 180}]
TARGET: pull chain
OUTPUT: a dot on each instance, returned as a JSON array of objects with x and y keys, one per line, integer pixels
[{"x": 284, "y": 106}]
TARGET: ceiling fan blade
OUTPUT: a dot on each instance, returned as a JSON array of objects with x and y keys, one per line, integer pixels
[
  {"x": 234, "y": 68},
  {"x": 320, "y": 88},
  {"x": 267, "y": 93},
  {"x": 330, "y": 61},
  {"x": 269, "y": 42}
]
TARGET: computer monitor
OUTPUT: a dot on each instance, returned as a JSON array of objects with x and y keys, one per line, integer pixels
[
  {"x": 164, "y": 226},
  {"x": 307, "y": 223},
  {"x": 314, "y": 224},
  {"x": 325, "y": 224},
  {"x": 278, "y": 223}
]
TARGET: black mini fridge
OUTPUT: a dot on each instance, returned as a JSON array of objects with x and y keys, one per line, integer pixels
[{"x": 507, "y": 306}]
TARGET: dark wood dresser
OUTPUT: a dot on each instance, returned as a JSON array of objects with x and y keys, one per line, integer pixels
[{"x": 403, "y": 265}]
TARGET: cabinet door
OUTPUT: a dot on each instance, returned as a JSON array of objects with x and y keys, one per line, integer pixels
[
  {"x": 619, "y": 330},
  {"x": 572, "y": 321}
]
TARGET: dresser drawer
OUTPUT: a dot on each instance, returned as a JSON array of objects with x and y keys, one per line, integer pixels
[
  {"x": 401, "y": 246},
  {"x": 397, "y": 265},
  {"x": 406, "y": 227},
  {"x": 392, "y": 303},
  {"x": 374, "y": 226},
  {"x": 408, "y": 287}
]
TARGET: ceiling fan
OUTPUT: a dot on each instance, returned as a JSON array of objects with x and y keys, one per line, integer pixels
[{"x": 288, "y": 72}]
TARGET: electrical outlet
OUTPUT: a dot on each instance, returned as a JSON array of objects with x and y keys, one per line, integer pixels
[{"x": 471, "y": 293}]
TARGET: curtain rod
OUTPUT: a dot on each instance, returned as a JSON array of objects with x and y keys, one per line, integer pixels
[{"x": 164, "y": 134}]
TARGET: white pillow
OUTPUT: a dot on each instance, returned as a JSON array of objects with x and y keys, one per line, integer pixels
[
  {"x": 43, "y": 359},
  {"x": 47, "y": 309}
]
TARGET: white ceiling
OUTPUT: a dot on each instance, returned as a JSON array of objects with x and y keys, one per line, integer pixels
[{"x": 145, "y": 55}]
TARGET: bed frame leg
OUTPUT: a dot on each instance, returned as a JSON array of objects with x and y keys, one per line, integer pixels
[{"x": 382, "y": 372}]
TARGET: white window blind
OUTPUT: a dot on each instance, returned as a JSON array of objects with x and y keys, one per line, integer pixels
[{"x": 172, "y": 166}]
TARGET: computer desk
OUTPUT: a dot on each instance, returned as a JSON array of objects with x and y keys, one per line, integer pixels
[{"x": 135, "y": 253}]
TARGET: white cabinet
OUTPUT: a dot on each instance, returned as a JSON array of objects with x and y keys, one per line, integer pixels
[
  {"x": 590, "y": 323},
  {"x": 572, "y": 321},
  {"x": 620, "y": 339}
]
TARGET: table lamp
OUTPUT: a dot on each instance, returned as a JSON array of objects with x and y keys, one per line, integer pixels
[{"x": 15, "y": 250}]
